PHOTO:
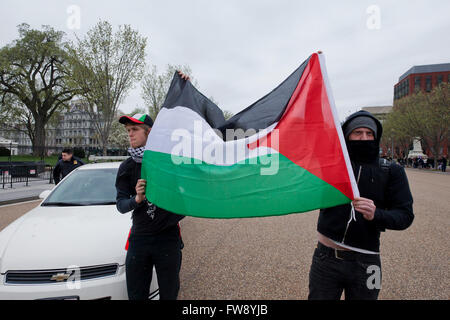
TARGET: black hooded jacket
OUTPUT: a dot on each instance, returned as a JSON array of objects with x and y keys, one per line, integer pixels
[
  {"x": 63, "y": 168},
  {"x": 383, "y": 182},
  {"x": 147, "y": 218}
]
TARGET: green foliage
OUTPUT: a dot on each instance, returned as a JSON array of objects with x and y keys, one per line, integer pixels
[
  {"x": 424, "y": 115},
  {"x": 49, "y": 160},
  {"x": 105, "y": 66},
  {"x": 33, "y": 79},
  {"x": 79, "y": 152},
  {"x": 227, "y": 114},
  {"x": 119, "y": 137},
  {"x": 155, "y": 86}
]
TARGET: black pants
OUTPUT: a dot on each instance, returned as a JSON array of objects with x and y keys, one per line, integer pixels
[
  {"x": 162, "y": 251},
  {"x": 357, "y": 274}
]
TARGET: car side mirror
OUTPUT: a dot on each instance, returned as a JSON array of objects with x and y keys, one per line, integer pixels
[{"x": 44, "y": 194}]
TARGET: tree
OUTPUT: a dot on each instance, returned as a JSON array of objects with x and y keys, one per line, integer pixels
[
  {"x": 396, "y": 134},
  {"x": 33, "y": 80},
  {"x": 424, "y": 115},
  {"x": 105, "y": 67},
  {"x": 227, "y": 114},
  {"x": 155, "y": 86},
  {"x": 119, "y": 137},
  {"x": 16, "y": 116},
  {"x": 436, "y": 118}
]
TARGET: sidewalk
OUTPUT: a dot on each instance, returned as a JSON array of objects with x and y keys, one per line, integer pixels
[{"x": 20, "y": 192}]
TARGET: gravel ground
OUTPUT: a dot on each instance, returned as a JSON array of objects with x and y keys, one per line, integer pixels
[
  {"x": 10, "y": 212},
  {"x": 269, "y": 258}
]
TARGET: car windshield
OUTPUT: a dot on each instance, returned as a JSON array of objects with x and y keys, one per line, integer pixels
[{"x": 84, "y": 188}]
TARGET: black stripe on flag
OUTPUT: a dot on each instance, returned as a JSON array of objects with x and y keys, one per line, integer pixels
[{"x": 260, "y": 115}]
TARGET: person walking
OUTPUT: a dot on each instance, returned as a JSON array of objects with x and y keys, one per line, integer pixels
[
  {"x": 347, "y": 256},
  {"x": 66, "y": 164}
]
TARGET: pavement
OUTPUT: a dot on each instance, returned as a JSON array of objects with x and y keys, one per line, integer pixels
[
  {"x": 269, "y": 258},
  {"x": 20, "y": 192}
]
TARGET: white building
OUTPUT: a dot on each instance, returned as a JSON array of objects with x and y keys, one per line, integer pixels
[{"x": 74, "y": 128}]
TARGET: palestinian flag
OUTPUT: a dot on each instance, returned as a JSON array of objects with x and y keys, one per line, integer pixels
[{"x": 283, "y": 154}]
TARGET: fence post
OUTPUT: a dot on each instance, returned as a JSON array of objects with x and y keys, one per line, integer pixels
[
  {"x": 51, "y": 176},
  {"x": 10, "y": 152}
]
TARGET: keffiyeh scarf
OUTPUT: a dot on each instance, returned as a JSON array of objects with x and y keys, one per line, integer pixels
[{"x": 137, "y": 153}]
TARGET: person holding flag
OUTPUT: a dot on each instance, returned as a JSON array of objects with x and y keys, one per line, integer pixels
[
  {"x": 155, "y": 238},
  {"x": 347, "y": 257}
]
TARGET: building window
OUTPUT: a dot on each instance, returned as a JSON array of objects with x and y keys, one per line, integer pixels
[
  {"x": 439, "y": 79},
  {"x": 428, "y": 83},
  {"x": 417, "y": 83}
]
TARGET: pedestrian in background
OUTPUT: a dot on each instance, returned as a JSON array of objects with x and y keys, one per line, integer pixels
[
  {"x": 65, "y": 165},
  {"x": 443, "y": 164}
]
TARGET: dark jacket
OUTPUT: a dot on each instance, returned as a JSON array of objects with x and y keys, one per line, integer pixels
[
  {"x": 387, "y": 185},
  {"x": 147, "y": 218},
  {"x": 63, "y": 168}
]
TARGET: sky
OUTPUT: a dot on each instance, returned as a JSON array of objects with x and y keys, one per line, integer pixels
[{"x": 239, "y": 51}]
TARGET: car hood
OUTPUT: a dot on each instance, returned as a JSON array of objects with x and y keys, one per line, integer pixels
[{"x": 59, "y": 237}]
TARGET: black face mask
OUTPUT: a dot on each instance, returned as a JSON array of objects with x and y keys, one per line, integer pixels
[{"x": 365, "y": 151}]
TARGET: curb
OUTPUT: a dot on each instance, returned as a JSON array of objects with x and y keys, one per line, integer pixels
[{"x": 12, "y": 201}]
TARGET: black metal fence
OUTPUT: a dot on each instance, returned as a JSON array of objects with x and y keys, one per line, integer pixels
[
  {"x": 24, "y": 172},
  {"x": 81, "y": 150}
]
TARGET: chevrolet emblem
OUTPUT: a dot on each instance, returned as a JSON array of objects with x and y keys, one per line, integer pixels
[{"x": 60, "y": 277}]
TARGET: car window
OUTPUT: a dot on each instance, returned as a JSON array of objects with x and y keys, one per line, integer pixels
[{"x": 85, "y": 187}]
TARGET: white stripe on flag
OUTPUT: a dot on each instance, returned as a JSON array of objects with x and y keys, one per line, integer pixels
[{"x": 181, "y": 131}]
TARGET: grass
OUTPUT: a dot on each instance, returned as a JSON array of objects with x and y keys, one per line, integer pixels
[{"x": 50, "y": 160}]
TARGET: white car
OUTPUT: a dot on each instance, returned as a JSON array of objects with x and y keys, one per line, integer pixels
[{"x": 73, "y": 245}]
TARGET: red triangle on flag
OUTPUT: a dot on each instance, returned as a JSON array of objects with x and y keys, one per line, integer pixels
[{"x": 307, "y": 133}]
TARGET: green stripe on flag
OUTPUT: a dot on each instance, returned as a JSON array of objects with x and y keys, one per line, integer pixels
[{"x": 237, "y": 191}]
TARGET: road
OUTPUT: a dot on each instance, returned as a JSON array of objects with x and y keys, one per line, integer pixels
[{"x": 269, "y": 258}]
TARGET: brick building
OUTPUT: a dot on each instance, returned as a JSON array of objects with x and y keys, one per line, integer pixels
[{"x": 423, "y": 78}]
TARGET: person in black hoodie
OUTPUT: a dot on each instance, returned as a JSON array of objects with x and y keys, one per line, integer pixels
[
  {"x": 155, "y": 238},
  {"x": 347, "y": 256}
]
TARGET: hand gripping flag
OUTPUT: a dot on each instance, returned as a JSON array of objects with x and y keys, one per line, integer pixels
[{"x": 283, "y": 154}]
